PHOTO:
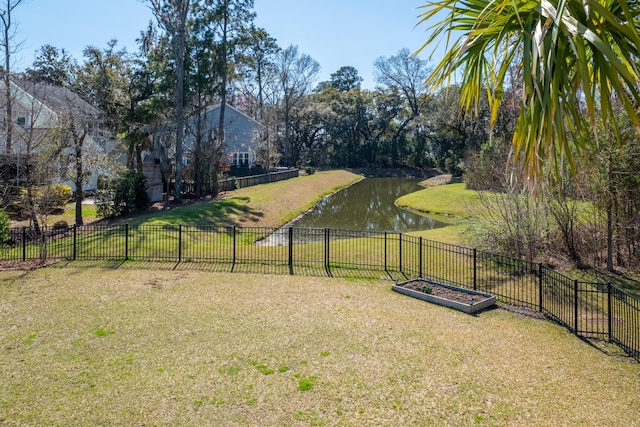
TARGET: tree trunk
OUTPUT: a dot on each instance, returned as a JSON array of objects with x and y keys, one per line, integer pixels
[
  {"x": 223, "y": 83},
  {"x": 78, "y": 180},
  {"x": 179, "y": 100},
  {"x": 7, "y": 82},
  {"x": 610, "y": 193},
  {"x": 32, "y": 211}
]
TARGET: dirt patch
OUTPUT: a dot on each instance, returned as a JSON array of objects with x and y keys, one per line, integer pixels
[
  {"x": 442, "y": 291},
  {"x": 6, "y": 265}
]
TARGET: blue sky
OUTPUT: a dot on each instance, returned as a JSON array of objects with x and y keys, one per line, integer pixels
[{"x": 334, "y": 32}]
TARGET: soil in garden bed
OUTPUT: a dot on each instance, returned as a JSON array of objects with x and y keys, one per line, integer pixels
[{"x": 443, "y": 292}]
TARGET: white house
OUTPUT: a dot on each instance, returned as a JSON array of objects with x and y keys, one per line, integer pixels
[{"x": 38, "y": 109}]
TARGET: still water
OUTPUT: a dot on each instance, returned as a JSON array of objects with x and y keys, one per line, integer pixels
[{"x": 368, "y": 205}]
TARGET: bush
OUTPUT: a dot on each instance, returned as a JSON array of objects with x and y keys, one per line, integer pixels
[
  {"x": 55, "y": 196},
  {"x": 104, "y": 202},
  {"x": 124, "y": 196},
  {"x": 131, "y": 194},
  {"x": 310, "y": 170},
  {"x": 46, "y": 200},
  {"x": 60, "y": 224},
  {"x": 4, "y": 227}
]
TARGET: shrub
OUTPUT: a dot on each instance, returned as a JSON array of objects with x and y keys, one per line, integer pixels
[
  {"x": 104, "y": 202},
  {"x": 4, "y": 227},
  {"x": 55, "y": 196},
  {"x": 45, "y": 200},
  {"x": 310, "y": 170},
  {"x": 124, "y": 196},
  {"x": 62, "y": 224}
]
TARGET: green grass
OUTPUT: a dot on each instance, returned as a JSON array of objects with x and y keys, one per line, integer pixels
[
  {"x": 270, "y": 205},
  {"x": 451, "y": 199},
  {"x": 451, "y": 203},
  {"x": 89, "y": 214},
  {"x": 130, "y": 347},
  {"x": 215, "y": 213}
]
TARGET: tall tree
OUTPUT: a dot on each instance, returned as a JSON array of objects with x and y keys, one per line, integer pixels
[
  {"x": 52, "y": 66},
  {"x": 296, "y": 74},
  {"x": 172, "y": 16},
  {"x": 7, "y": 39},
  {"x": 345, "y": 79},
  {"x": 256, "y": 64},
  {"x": 103, "y": 80},
  {"x": 405, "y": 74},
  {"x": 574, "y": 56},
  {"x": 202, "y": 89},
  {"x": 232, "y": 19}
]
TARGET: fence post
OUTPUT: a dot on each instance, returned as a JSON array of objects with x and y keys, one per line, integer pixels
[
  {"x": 609, "y": 309},
  {"x": 233, "y": 263},
  {"x": 291, "y": 250},
  {"x": 385, "y": 251},
  {"x": 575, "y": 306},
  {"x": 400, "y": 251},
  {"x": 75, "y": 240},
  {"x": 126, "y": 241},
  {"x": 540, "y": 287},
  {"x": 180, "y": 243},
  {"x": 24, "y": 243},
  {"x": 420, "y": 257},
  {"x": 327, "y": 240},
  {"x": 475, "y": 267}
]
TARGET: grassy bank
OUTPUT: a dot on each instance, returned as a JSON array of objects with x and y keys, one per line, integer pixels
[
  {"x": 265, "y": 205},
  {"x": 453, "y": 201},
  {"x": 131, "y": 347},
  {"x": 268, "y": 205}
]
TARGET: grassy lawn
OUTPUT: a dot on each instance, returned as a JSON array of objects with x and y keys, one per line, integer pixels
[
  {"x": 265, "y": 205},
  {"x": 131, "y": 347},
  {"x": 69, "y": 215}
]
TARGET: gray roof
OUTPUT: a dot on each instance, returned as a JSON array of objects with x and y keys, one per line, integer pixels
[{"x": 59, "y": 99}]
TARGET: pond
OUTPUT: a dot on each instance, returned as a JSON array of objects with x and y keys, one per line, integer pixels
[{"x": 369, "y": 205}]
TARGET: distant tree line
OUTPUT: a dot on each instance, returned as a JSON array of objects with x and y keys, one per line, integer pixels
[{"x": 200, "y": 53}]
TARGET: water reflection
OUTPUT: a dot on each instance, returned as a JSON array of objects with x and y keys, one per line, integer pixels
[{"x": 368, "y": 205}]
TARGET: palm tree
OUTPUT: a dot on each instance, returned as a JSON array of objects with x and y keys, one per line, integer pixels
[{"x": 573, "y": 58}]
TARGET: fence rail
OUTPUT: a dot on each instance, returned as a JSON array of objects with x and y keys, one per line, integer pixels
[
  {"x": 592, "y": 310},
  {"x": 230, "y": 184}
]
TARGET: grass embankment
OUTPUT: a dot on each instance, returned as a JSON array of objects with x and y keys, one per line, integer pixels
[
  {"x": 451, "y": 200},
  {"x": 266, "y": 205},
  {"x": 131, "y": 347}
]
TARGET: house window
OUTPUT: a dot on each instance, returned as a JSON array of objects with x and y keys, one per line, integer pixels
[
  {"x": 240, "y": 159},
  {"x": 22, "y": 121}
]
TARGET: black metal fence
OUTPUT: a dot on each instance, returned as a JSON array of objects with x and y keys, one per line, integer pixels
[
  {"x": 592, "y": 310},
  {"x": 248, "y": 181},
  {"x": 233, "y": 183}
]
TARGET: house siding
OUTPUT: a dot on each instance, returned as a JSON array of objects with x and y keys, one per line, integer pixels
[{"x": 242, "y": 134}]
